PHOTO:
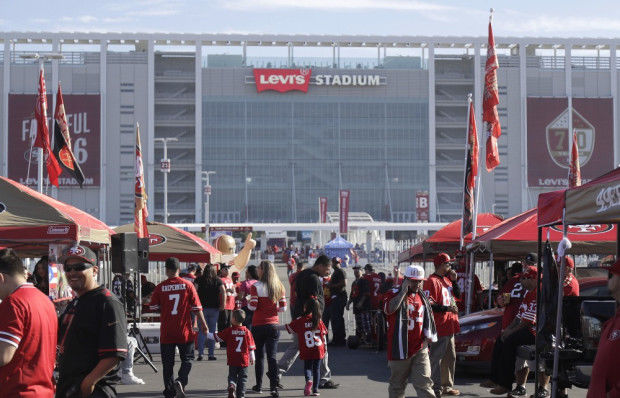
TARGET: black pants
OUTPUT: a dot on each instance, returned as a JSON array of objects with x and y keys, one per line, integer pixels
[
  {"x": 224, "y": 320},
  {"x": 186, "y": 353},
  {"x": 248, "y": 317},
  {"x": 505, "y": 354},
  {"x": 71, "y": 389},
  {"x": 266, "y": 338},
  {"x": 336, "y": 311},
  {"x": 238, "y": 376}
]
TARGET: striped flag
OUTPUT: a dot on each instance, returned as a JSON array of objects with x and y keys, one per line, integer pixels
[
  {"x": 140, "y": 210},
  {"x": 62, "y": 141},
  {"x": 43, "y": 135},
  {"x": 471, "y": 171},
  {"x": 490, "y": 100}
]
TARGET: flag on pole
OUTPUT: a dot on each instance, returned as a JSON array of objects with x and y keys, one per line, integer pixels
[
  {"x": 574, "y": 171},
  {"x": 490, "y": 101},
  {"x": 62, "y": 141},
  {"x": 43, "y": 135},
  {"x": 323, "y": 210},
  {"x": 140, "y": 209},
  {"x": 343, "y": 210},
  {"x": 471, "y": 171}
]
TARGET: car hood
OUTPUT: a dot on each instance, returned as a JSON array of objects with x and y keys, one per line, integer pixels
[{"x": 482, "y": 316}]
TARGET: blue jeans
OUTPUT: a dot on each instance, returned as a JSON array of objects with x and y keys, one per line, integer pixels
[
  {"x": 266, "y": 338},
  {"x": 311, "y": 371},
  {"x": 186, "y": 352},
  {"x": 238, "y": 376},
  {"x": 211, "y": 315}
]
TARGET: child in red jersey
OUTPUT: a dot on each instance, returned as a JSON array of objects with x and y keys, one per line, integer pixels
[
  {"x": 239, "y": 351},
  {"x": 312, "y": 338}
]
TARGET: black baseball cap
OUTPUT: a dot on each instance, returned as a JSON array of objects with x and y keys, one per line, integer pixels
[
  {"x": 368, "y": 267},
  {"x": 81, "y": 252},
  {"x": 357, "y": 266}
]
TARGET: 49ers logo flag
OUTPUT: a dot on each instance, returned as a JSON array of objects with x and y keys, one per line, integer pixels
[
  {"x": 574, "y": 171},
  {"x": 471, "y": 171},
  {"x": 490, "y": 101},
  {"x": 62, "y": 141},
  {"x": 43, "y": 135},
  {"x": 140, "y": 209}
]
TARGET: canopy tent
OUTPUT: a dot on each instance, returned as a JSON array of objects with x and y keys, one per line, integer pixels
[
  {"x": 338, "y": 247},
  {"x": 30, "y": 221},
  {"x": 168, "y": 241},
  {"x": 518, "y": 235},
  {"x": 598, "y": 201},
  {"x": 447, "y": 239}
]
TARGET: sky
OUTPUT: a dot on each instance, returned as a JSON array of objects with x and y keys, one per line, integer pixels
[{"x": 556, "y": 18}]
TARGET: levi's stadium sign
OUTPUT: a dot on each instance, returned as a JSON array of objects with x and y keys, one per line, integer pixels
[{"x": 283, "y": 80}]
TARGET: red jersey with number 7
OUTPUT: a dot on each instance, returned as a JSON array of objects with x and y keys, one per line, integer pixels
[
  {"x": 239, "y": 343},
  {"x": 175, "y": 298},
  {"x": 376, "y": 298},
  {"x": 311, "y": 340}
]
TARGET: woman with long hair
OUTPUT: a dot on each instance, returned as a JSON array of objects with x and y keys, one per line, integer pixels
[
  {"x": 267, "y": 298},
  {"x": 212, "y": 296},
  {"x": 40, "y": 276},
  {"x": 251, "y": 277}
]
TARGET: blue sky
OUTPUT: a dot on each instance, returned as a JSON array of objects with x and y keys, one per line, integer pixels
[{"x": 380, "y": 17}]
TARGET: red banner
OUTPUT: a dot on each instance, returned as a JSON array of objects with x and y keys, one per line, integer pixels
[
  {"x": 421, "y": 206},
  {"x": 344, "y": 211},
  {"x": 83, "y": 115},
  {"x": 282, "y": 80},
  {"x": 548, "y": 139},
  {"x": 323, "y": 210}
]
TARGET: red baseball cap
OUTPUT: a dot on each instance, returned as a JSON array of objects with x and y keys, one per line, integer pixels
[
  {"x": 615, "y": 268},
  {"x": 529, "y": 272},
  {"x": 570, "y": 263},
  {"x": 441, "y": 258}
]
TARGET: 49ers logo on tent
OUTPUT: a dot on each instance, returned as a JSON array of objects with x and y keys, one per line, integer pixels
[
  {"x": 586, "y": 229},
  {"x": 558, "y": 139},
  {"x": 156, "y": 239}
]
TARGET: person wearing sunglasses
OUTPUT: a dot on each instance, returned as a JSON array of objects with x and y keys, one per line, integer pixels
[{"x": 92, "y": 336}]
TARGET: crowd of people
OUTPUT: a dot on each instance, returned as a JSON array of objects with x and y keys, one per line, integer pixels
[{"x": 412, "y": 316}]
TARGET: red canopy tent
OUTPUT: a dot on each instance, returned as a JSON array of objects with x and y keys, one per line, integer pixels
[
  {"x": 447, "y": 239},
  {"x": 168, "y": 241},
  {"x": 30, "y": 221},
  {"x": 518, "y": 235}
]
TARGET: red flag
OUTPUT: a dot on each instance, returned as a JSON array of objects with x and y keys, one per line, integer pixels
[
  {"x": 323, "y": 210},
  {"x": 344, "y": 211},
  {"x": 471, "y": 171},
  {"x": 574, "y": 171},
  {"x": 43, "y": 135},
  {"x": 140, "y": 209},
  {"x": 62, "y": 141},
  {"x": 489, "y": 104}
]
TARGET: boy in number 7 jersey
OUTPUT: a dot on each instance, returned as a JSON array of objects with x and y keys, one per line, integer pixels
[
  {"x": 239, "y": 351},
  {"x": 312, "y": 338}
]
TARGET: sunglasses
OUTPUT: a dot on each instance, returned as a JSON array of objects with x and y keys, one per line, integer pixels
[{"x": 77, "y": 267}]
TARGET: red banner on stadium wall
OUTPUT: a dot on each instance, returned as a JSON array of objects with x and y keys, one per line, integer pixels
[
  {"x": 548, "y": 139},
  {"x": 83, "y": 118},
  {"x": 323, "y": 210},
  {"x": 421, "y": 206},
  {"x": 344, "y": 211},
  {"x": 282, "y": 80}
]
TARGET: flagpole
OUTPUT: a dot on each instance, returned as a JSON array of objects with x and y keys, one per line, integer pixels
[{"x": 462, "y": 240}]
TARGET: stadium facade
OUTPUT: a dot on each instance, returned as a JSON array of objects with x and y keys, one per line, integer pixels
[{"x": 386, "y": 127}]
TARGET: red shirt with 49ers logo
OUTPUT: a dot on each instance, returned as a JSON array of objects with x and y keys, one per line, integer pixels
[
  {"x": 311, "y": 340},
  {"x": 439, "y": 291},
  {"x": 415, "y": 319}
]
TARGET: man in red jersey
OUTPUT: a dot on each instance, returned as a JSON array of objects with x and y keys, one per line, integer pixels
[
  {"x": 224, "y": 320},
  {"x": 441, "y": 289},
  {"x": 291, "y": 280},
  {"x": 571, "y": 285},
  {"x": 410, "y": 329},
  {"x": 521, "y": 331},
  {"x": 92, "y": 332},
  {"x": 176, "y": 299},
  {"x": 477, "y": 292},
  {"x": 28, "y": 330},
  {"x": 605, "y": 380}
]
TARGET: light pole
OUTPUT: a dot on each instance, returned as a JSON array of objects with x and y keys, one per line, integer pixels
[
  {"x": 165, "y": 169},
  {"x": 248, "y": 180},
  {"x": 207, "y": 193},
  {"x": 42, "y": 58}
]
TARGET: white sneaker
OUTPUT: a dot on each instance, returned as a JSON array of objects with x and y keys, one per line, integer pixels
[
  {"x": 130, "y": 378},
  {"x": 217, "y": 345}
]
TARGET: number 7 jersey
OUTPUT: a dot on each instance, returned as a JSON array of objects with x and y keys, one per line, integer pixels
[
  {"x": 311, "y": 340},
  {"x": 175, "y": 299}
]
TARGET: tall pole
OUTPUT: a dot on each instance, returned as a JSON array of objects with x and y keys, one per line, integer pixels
[
  {"x": 40, "y": 159},
  {"x": 207, "y": 193},
  {"x": 165, "y": 169}
]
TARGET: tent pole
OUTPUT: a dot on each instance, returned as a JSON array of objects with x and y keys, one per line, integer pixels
[
  {"x": 617, "y": 239},
  {"x": 538, "y": 305},
  {"x": 492, "y": 268},
  {"x": 558, "y": 318}
]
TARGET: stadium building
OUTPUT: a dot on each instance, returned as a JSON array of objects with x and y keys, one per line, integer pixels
[{"x": 282, "y": 131}]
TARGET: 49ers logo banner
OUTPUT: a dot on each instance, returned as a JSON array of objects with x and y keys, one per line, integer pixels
[
  {"x": 282, "y": 80},
  {"x": 548, "y": 139},
  {"x": 82, "y": 116}
]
